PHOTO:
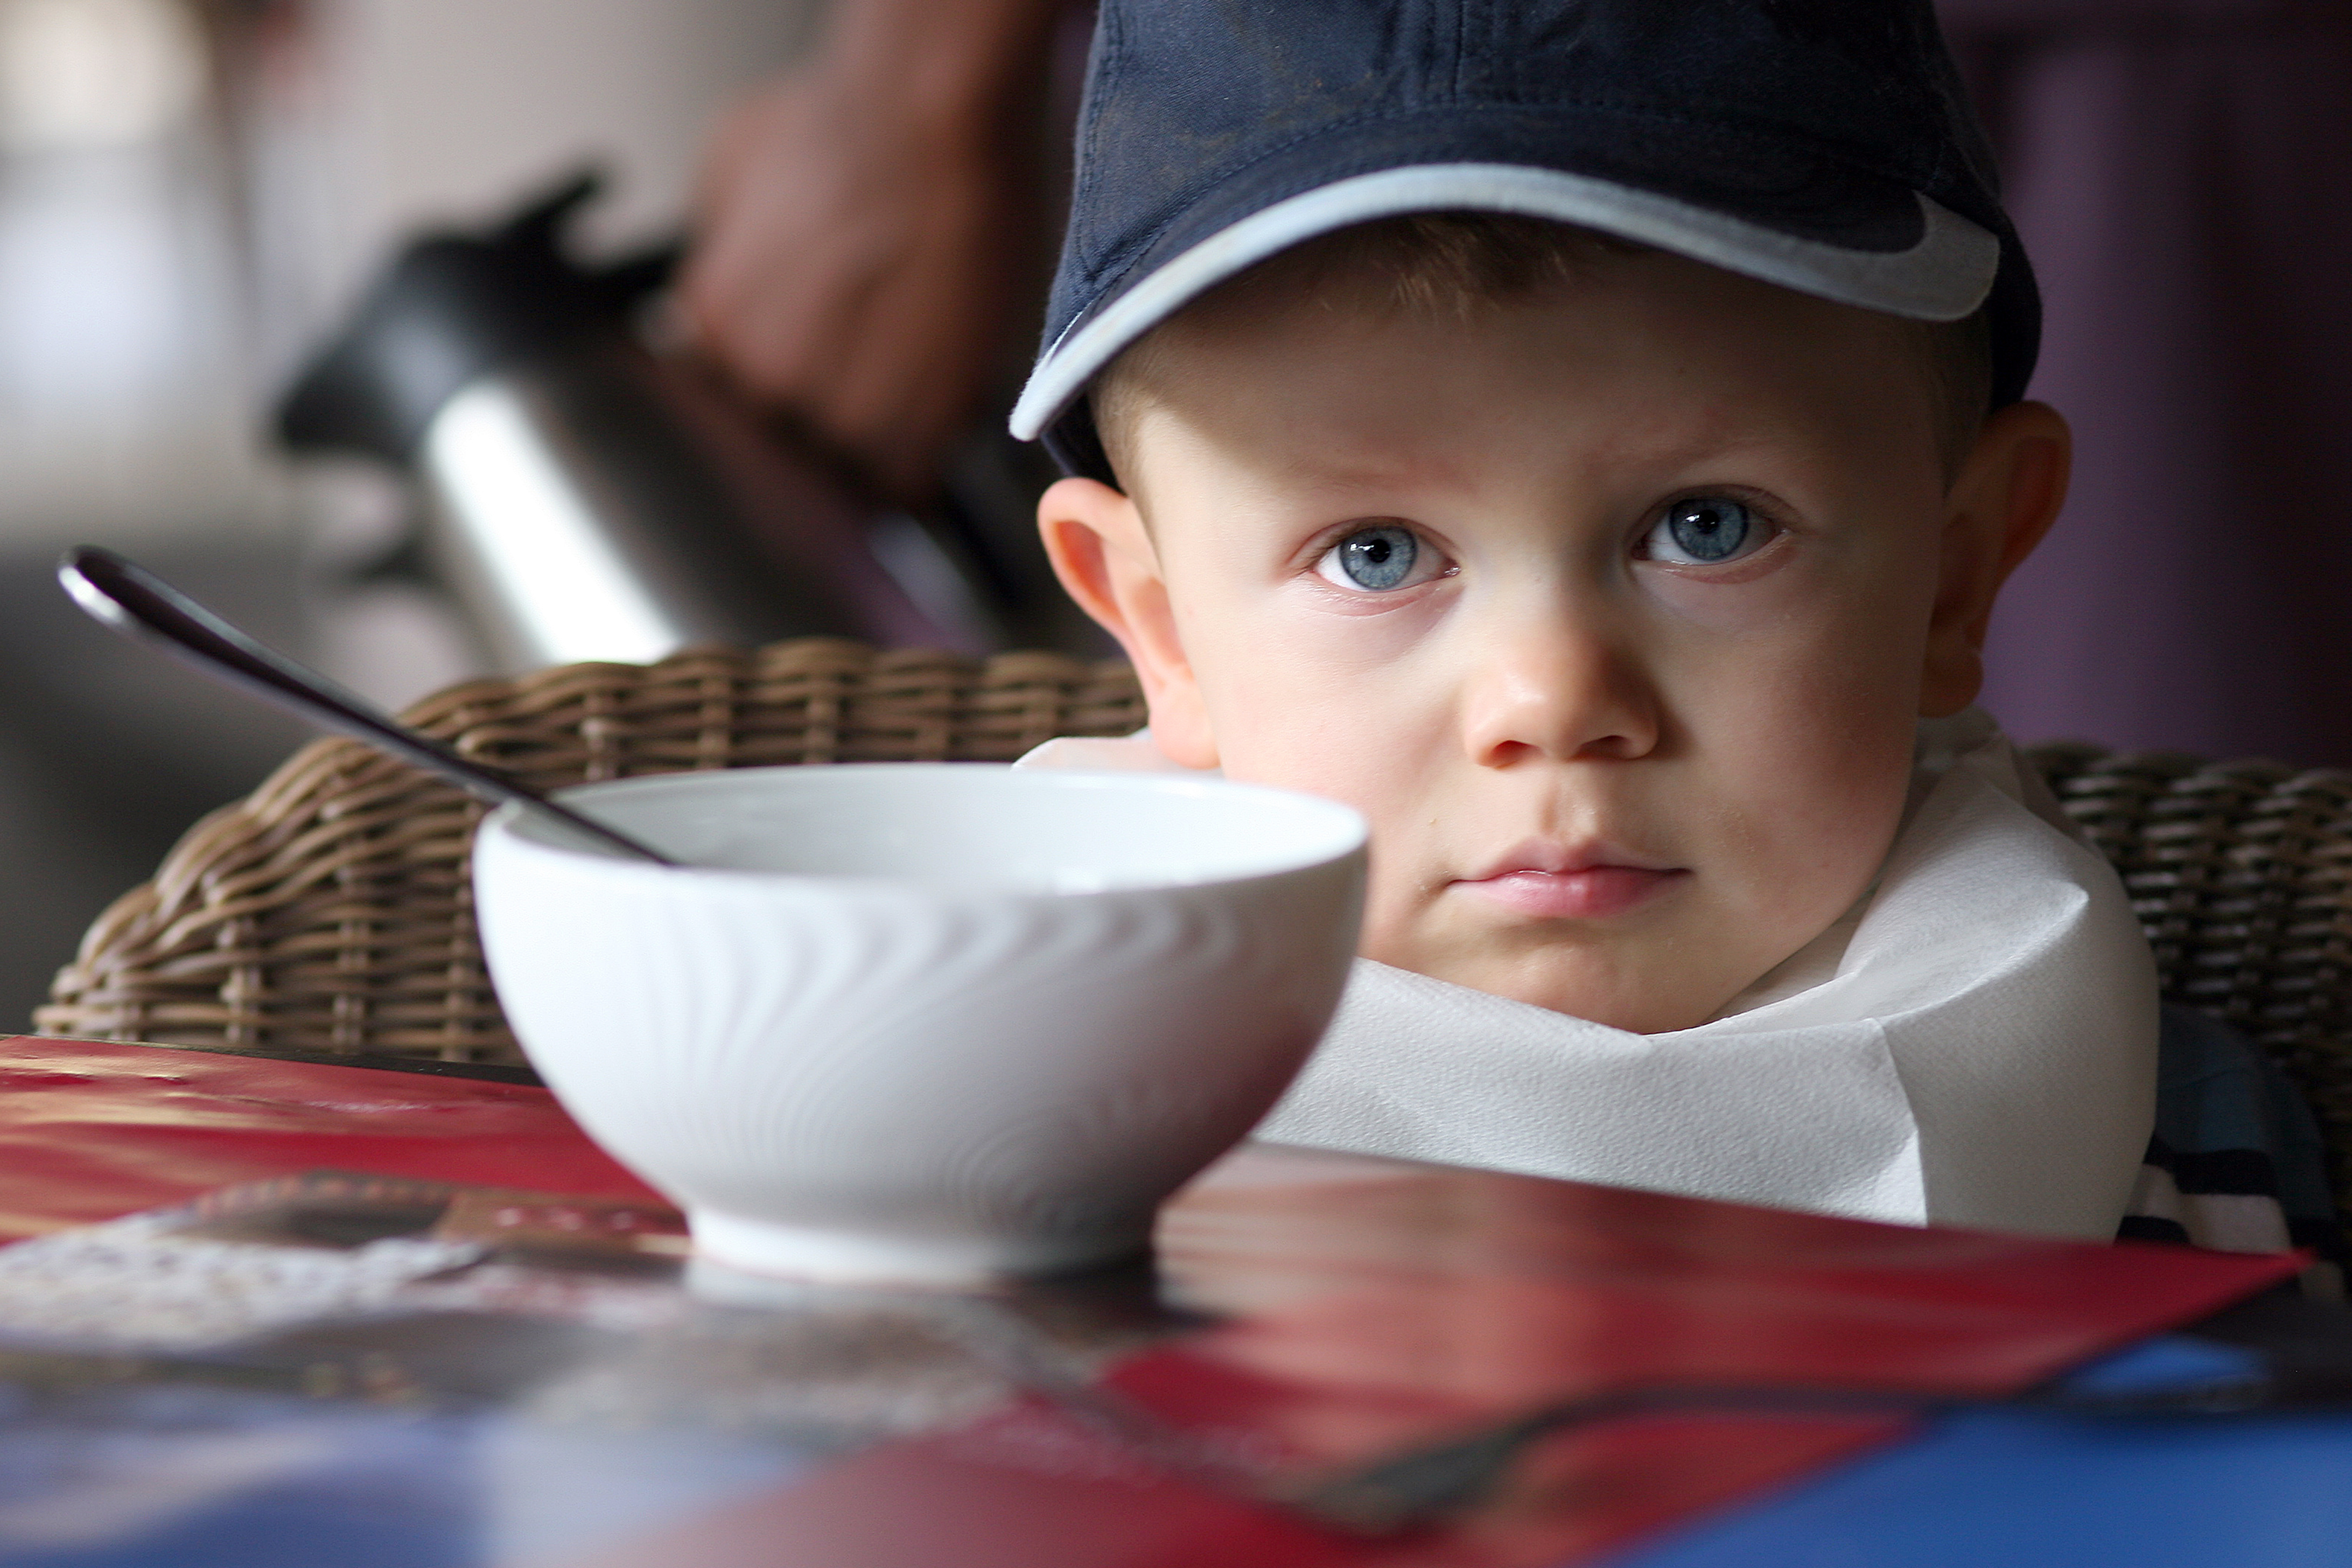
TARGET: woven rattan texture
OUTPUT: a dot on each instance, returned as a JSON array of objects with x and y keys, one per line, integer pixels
[
  {"x": 330, "y": 910},
  {"x": 2241, "y": 875}
]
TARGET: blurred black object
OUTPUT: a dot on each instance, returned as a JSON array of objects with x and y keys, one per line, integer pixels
[{"x": 588, "y": 498}]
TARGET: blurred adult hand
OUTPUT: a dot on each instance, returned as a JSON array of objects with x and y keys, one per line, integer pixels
[{"x": 863, "y": 226}]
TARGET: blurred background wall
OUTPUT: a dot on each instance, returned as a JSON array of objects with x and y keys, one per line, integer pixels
[
  {"x": 192, "y": 192},
  {"x": 2181, "y": 174}
]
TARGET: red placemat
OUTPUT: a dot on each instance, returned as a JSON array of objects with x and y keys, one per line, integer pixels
[{"x": 93, "y": 1130}]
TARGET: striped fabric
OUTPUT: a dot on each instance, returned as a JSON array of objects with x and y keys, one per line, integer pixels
[{"x": 2235, "y": 1163}]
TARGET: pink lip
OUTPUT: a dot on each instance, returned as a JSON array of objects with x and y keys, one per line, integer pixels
[{"x": 1547, "y": 882}]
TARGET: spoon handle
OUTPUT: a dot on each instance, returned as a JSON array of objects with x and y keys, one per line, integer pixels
[{"x": 142, "y": 606}]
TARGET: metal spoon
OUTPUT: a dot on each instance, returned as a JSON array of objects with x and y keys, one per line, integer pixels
[{"x": 145, "y": 608}]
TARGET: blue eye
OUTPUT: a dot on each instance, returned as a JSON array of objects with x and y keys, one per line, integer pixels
[
  {"x": 1702, "y": 530},
  {"x": 1374, "y": 559}
]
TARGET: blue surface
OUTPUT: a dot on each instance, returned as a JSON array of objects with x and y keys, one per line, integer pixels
[
  {"x": 191, "y": 1477},
  {"x": 201, "y": 1478},
  {"x": 1996, "y": 1490}
]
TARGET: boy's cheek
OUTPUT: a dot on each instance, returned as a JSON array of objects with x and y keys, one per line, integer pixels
[
  {"x": 1325, "y": 743},
  {"x": 1844, "y": 596},
  {"x": 1305, "y": 699},
  {"x": 1816, "y": 772},
  {"x": 1840, "y": 655},
  {"x": 1792, "y": 577}
]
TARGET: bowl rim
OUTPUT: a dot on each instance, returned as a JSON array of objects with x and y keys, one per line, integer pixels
[{"x": 1345, "y": 834}]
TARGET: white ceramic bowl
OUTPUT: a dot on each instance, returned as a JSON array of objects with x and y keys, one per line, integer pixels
[{"x": 930, "y": 1023}]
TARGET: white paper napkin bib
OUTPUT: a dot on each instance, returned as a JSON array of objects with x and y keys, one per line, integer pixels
[{"x": 1973, "y": 1044}]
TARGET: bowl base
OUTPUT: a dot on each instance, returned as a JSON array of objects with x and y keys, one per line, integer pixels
[{"x": 935, "y": 1263}]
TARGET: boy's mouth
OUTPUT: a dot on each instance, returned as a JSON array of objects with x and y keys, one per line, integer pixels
[{"x": 1547, "y": 884}]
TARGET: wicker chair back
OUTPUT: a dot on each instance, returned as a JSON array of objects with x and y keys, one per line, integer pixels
[{"x": 330, "y": 910}]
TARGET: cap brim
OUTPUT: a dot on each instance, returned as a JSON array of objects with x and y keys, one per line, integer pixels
[{"x": 1941, "y": 271}]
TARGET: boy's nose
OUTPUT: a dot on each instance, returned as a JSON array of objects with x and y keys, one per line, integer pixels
[{"x": 1559, "y": 689}]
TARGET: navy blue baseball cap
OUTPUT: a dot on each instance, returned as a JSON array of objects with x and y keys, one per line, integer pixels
[{"x": 1824, "y": 145}]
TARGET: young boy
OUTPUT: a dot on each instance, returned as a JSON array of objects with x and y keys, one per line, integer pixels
[{"x": 1588, "y": 437}]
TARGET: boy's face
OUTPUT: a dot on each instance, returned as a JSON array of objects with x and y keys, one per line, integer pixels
[{"x": 1611, "y": 608}]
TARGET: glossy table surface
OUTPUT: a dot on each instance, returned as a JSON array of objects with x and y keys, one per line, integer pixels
[{"x": 1319, "y": 1305}]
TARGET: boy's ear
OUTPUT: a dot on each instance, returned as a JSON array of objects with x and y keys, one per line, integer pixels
[
  {"x": 1105, "y": 558},
  {"x": 2005, "y": 498}
]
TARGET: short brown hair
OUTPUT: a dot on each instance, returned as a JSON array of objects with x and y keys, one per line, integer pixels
[{"x": 1457, "y": 263}]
